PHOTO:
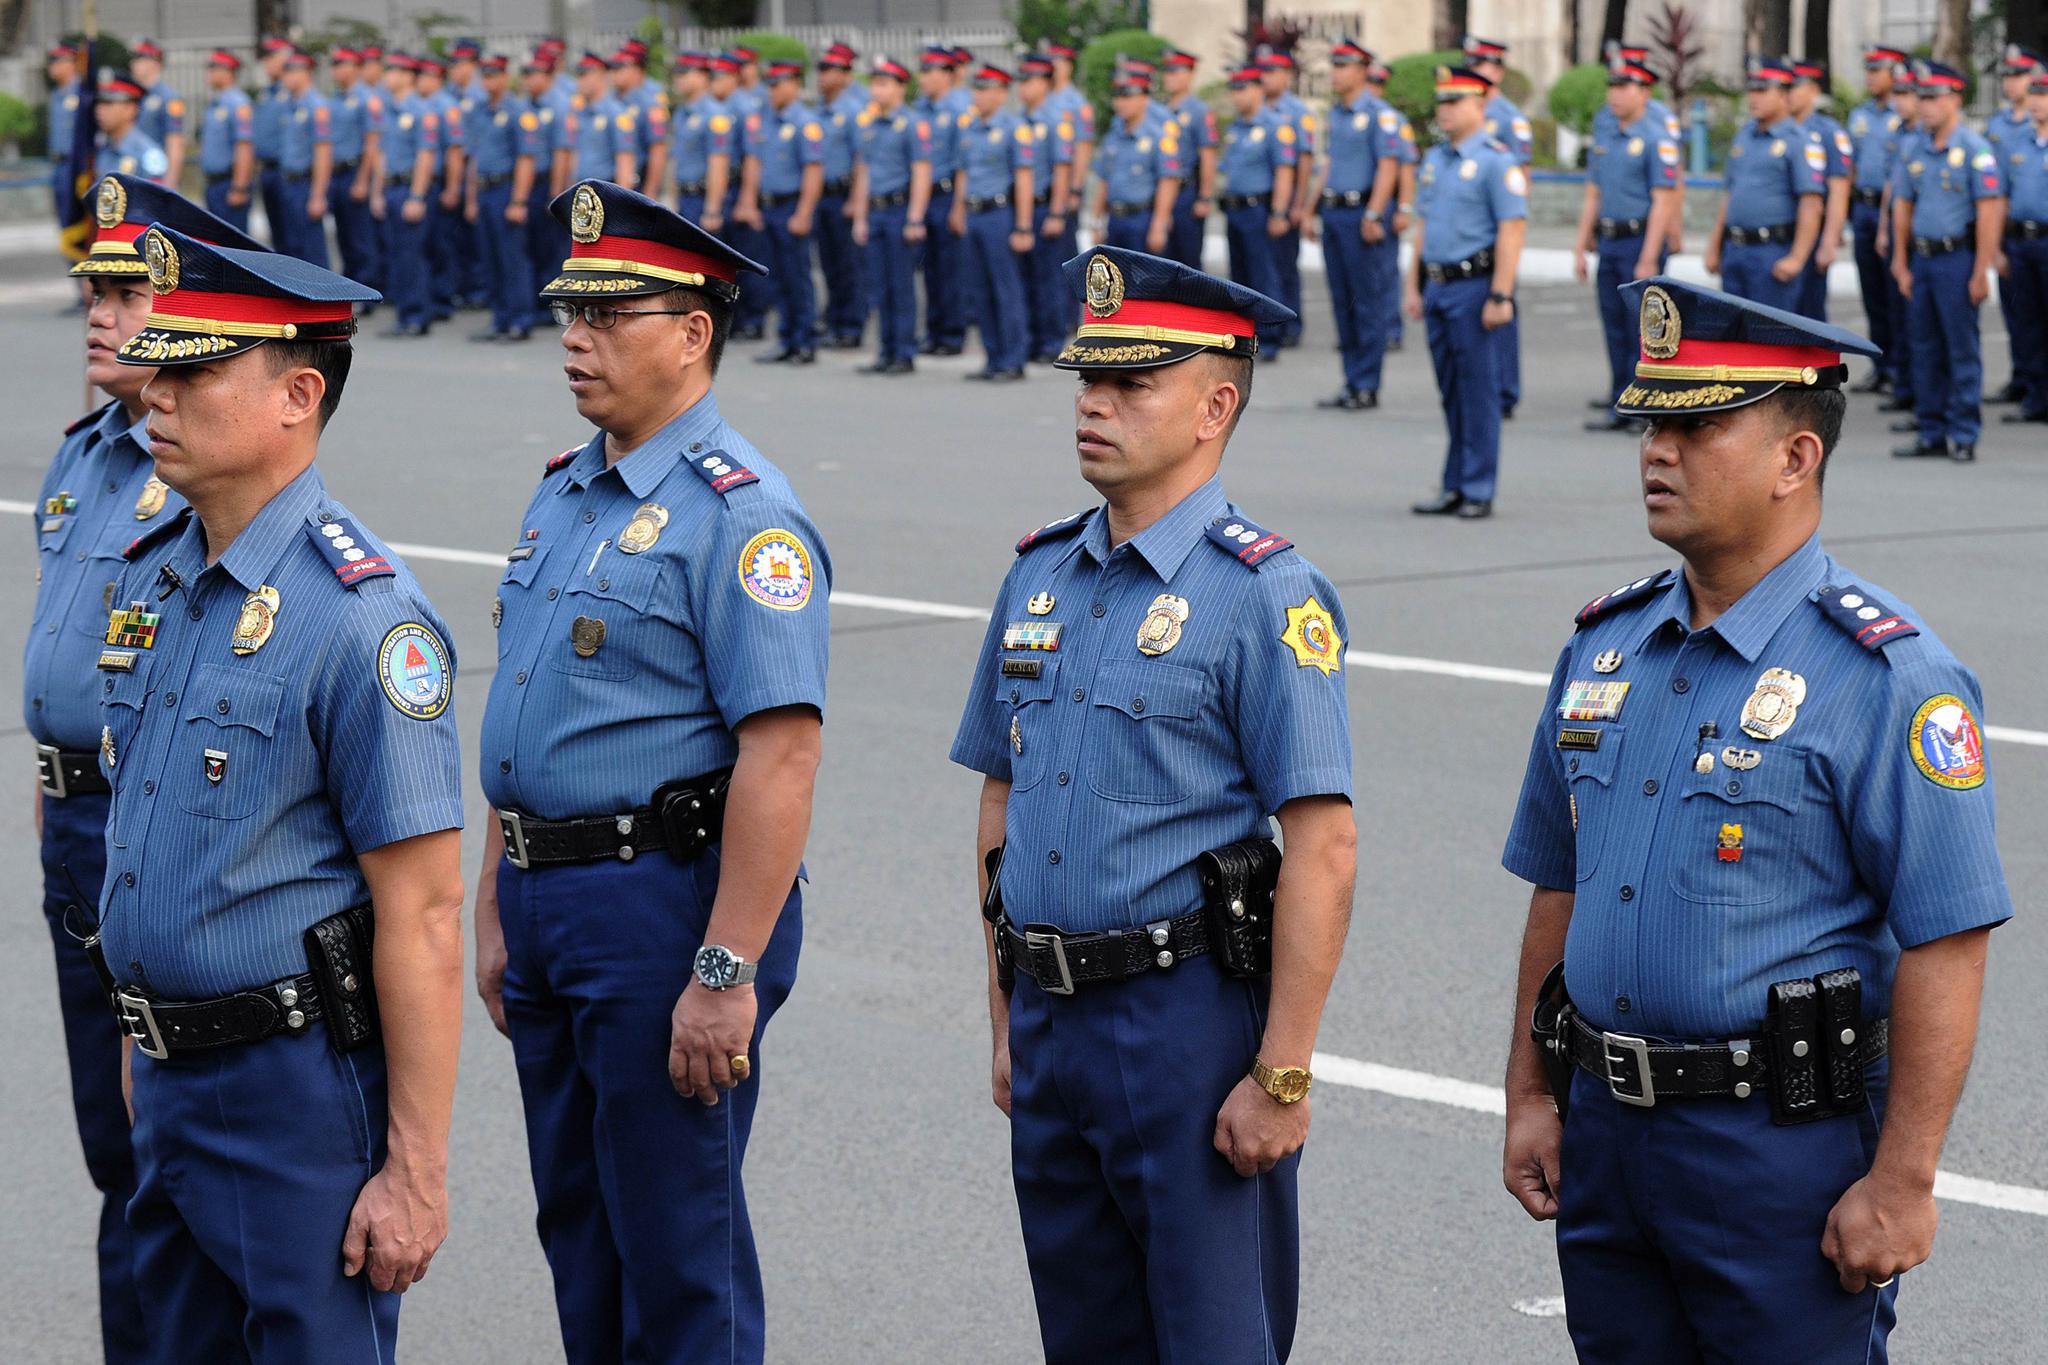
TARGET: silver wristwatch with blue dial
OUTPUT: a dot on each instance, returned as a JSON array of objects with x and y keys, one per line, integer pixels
[{"x": 720, "y": 968}]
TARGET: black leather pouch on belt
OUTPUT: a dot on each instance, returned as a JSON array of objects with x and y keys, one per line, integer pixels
[
  {"x": 1815, "y": 1074},
  {"x": 992, "y": 911},
  {"x": 338, "y": 956},
  {"x": 1237, "y": 900},
  {"x": 1548, "y": 1025}
]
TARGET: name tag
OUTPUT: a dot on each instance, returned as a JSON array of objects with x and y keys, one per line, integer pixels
[
  {"x": 1569, "y": 737},
  {"x": 1023, "y": 668},
  {"x": 523, "y": 552},
  {"x": 1043, "y": 635},
  {"x": 1592, "y": 700},
  {"x": 116, "y": 661}
]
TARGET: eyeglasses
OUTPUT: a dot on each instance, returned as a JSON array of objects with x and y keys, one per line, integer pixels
[{"x": 603, "y": 317}]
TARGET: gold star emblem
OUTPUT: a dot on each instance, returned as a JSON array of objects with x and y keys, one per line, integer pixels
[{"x": 1312, "y": 634}]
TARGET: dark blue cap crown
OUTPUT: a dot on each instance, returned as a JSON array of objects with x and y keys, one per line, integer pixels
[
  {"x": 1703, "y": 350},
  {"x": 623, "y": 244},
  {"x": 123, "y": 205},
  {"x": 1140, "y": 311},
  {"x": 215, "y": 301}
]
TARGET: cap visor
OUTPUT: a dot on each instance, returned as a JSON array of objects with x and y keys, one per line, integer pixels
[
  {"x": 583, "y": 286},
  {"x": 162, "y": 346},
  {"x": 1132, "y": 353},
  {"x": 1668, "y": 397}
]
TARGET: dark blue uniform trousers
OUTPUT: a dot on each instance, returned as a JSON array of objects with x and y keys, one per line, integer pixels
[
  {"x": 303, "y": 237},
  {"x": 2026, "y": 281},
  {"x": 405, "y": 261},
  {"x": 945, "y": 309},
  {"x": 1948, "y": 364},
  {"x": 1509, "y": 339},
  {"x": 250, "y": 1160},
  {"x": 751, "y": 308},
  {"x": 846, "y": 285},
  {"x": 1144, "y": 1245},
  {"x": 356, "y": 234},
  {"x": 74, "y": 843},
  {"x": 1690, "y": 1233},
  {"x": 217, "y": 203},
  {"x": 1045, "y": 293},
  {"x": 789, "y": 266},
  {"x": 995, "y": 278},
  {"x": 270, "y": 186},
  {"x": 1617, "y": 259},
  {"x": 1467, "y": 359},
  {"x": 547, "y": 245},
  {"x": 1874, "y": 279},
  {"x": 1185, "y": 243},
  {"x": 1358, "y": 275},
  {"x": 1813, "y": 292},
  {"x": 1127, "y": 230},
  {"x": 643, "y": 1216},
  {"x": 892, "y": 274},
  {"x": 1287, "y": 267},
  {"x": 1746, "y": 273},
  {"x": 449, "y": 247},
  {"x": 506, "y": 267},
  {"x": 1251, "y": 259}
]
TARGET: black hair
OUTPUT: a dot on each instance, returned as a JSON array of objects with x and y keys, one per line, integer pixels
[
  {"x": 1819, "y": 411},
  {"x": 330, "y": 358},
  {"x": 1236, "y": 370},
  {"x": 713, "y": 307}
]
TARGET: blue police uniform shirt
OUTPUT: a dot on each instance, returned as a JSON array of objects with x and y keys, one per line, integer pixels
[
  {"x": 649, "y": 126},
  {"x": 1052, "y": 140},
  {"x": 132, "y": 154},
  {"x": 786, "y": 141},
  {"x": 890, "y": 145},
  {"x": 1080, "y": 114},
  {"x": 63, "y": 124},
  {"x": 454, "y": 134},
  {"x": 1944, "y": 181},
  {"x": 993, "y": 150},
  {"x": 2007, "y": 124},
  {"x": 1125, "y": 767},
  {"x": 1769, "y": 171},
  {"x": 1506, "y": 124},
  {"x": 1406, "y": 152},
  {"x": 310, "y": 123},
  {"x": 415, "y": 126},
  {"x": 2026, "y": 174},
  {"x": 945, "y": 138},
  {"x": 1254, "y": 150},
  {"x": 1873, "y": 141},
  {"x": 1864, "y": 827},
  {"x": 1658, "y": 112},
  {"x": 748, "y": 99},
  {"x": 842, "y": 123},
  {"x": 562, "y": 101},
  {"x": 723, "y": 616},
  {"x": 1198, "y": 131},
  {"x": 354, "y": 115},
  {"x": 230, "y": 120},
  {"x": 1294, "y": 110},
  {"x": 501, "y": 133},
  {"x": 1911, "y": 140},
  {"x": 1132, "y": 161},
  {"x": 689, "y": 140},
  {"x": 1363, "y": 131},
  {"x": 1630, "y": 162},
  {"x": 162, "y": 113},
  {"x": 246, "y": 784},
  {"x": 99, "y": 494},
  {"x": 599, "y": 138},
  {"x": 1835, "y": 142},
  {"x": 271, "y": 111},
  {"x": 1464, "y": 192}
]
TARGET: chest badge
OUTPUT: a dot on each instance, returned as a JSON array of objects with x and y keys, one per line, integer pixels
[
  {"x": 1160, "y": 631},
  {"x": 644, "y": 529},
  {"x": 59, "y": 505},
  {"x": 586, "y": 636},
  {"x": 257, "y": 619},
  {"x": 1017, "y": 735},
  {"x": 1312, "y": 634},
  {"x": 1703, "y": 765},
  {"x": 107, "y": 744},
  {"x": 1728, "y": 844},
  {"x": 1592, "y": 700},
  {"x": 215, "y": 765},
  {"x": 1043, "y": 635},
  {"x": 497, "y": 612},
  {"x": 151, "y": 500},
  {"x": 132, "y": 627},
  {"x": 1774, "y": 705},
  {"x": 1741, "y": 760},
  {"x": 1608, "y": 661},
  {"x": 1041, "y": 604}
]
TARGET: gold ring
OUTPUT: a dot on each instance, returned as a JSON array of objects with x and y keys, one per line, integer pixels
[{"x": 740, "y": 1066}]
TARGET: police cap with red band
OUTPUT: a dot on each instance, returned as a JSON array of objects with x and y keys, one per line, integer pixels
[
  {"x": 124, "y": 205},
  {"x": 1139, "y": 312},
  {"x": 147, "y": 47},
  {"x": 1938, "y": 78},
  {"x": 1348, "y": 51},
  {"x": 213, "y": 302},
  {"x": 838, "y": 57},
  {"x": 623, "y": 244},
  {"x": 225, "y": 60},
  {"x": 1883, "y": 58},
  {"x": 119, "y": 84},
  {"x": 1484, "y": 49},
  {"x": 1706, "y": 351}
]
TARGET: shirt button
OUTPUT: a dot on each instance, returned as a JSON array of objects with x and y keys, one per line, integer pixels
[
  {"x": 127, "y": 879},
  {"x": 504, "y": 765},
  {"x": 1572, "y": 766},
  {"x": 1062, "y": 779},
  {"x": 170, "y": 699},
  {"x": 604, "y": 585},
  {"x": 149, "y": 787},
  {"x": 1053, "y": 857},
  {"x": 1098, "y": 610},
  {"x": 110, "y": 685},
  {"x": 1621, "y": 1003},
  {"x": 1137, "y": 703},
  {"x": 50, "y": 629},
  {"x": 1079, "y": 693},
  {"x": 35, "y": 703},
  {"x": 1650, "y": 787},
  {"x": 112, "y": 486},
  {"x": 1628, "y": 893},
  {"x": 1680, "y": 685},
  {"x": 520, "y": 676},
  {"x": 589, "y": 517},
  {"x": 221, "y": 706},
  {"x": 81, "y": 556},
  {"x": 553, "y": 593},
  {"x": 197, "y": 613},
  {"x": 1016, "y": 693},
  {"x": 1735, "y": 786}
]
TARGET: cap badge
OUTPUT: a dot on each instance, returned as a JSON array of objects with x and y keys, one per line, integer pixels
[
  {"x": 586, "y": 215},
  {"x": 1105, "y": 287},
  {"x": 1660, "y": 324},
  {"x": 112, "y": 205},
  {"x": 162, "y": 259}
]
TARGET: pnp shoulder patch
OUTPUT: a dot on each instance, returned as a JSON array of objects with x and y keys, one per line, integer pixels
[
  {"x": 82, "y": 423},
  {"x": 352, "y": 560},
  {"x": 719, "y": 470},
  {"x": 1248, "y": 543},
  {"x": 562, "y": 460},
  {"x": 1622, "y": 596},
  {"x": 1868, "y": 621},
  {"x": 1054, "y": 530}
]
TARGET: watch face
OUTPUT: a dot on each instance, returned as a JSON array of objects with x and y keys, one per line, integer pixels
[
  {"x": 1291, "y": 1085},
  {"x": 716, "y": 966}
]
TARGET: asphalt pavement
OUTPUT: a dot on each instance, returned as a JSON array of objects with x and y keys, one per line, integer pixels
[{"x": 878, "y": 1174}]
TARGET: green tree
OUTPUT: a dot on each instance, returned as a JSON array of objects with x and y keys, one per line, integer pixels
[
  {"x": 1577, "y": 95},
  {"x": 1411, "y": 88},
  {"x": 1096, "y": 64},
  {"x": 774, "y": 47},
  {"x": 720, "y": 13},
  {"x": 1075, "y": 23}
]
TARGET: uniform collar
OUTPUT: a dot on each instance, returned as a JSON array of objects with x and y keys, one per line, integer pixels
[
  {"x": 1748, "y": 626},
  {"x": 112, "y": 426},
  {"x": 262, "y": 543},
  {"x": 1476, "y": 138},
  {"x": 1359, "y": 103},
  {"x": 1166, "y": 542},
  {"x": 643, "y": 470}
]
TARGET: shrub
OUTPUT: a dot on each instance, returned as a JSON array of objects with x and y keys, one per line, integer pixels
[{"x": 1096, "y": 64}]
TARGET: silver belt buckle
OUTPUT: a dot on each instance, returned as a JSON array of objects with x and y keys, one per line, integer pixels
[
  {"x": 514, "y": 830},
  {"x": 50, "y": 770},
  {"x": 1618, "y": 1048},
  {"x": 138, "y": 1020},
  {"x": 1034, "y": 939}
]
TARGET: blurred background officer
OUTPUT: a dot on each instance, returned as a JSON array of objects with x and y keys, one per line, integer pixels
[
  {"x": 1946, "y": 229},
  {"x": 554, "y": 101},
  {"x": 505, "y": 144},
  {"x": 2010, "y": 131},
  {"x": 992, "y": 194},
  {"x": 99, "y": 492},
  {"x": 1912, "y": 133},
  {"x": 61, "y": 64},
  {"x": 1052, "y": 138},
  {"x": 465, "y": 88},
  {"x": 306, "y": 160},
  {"x": 449, "y": 243},
  {"x": 1138, "y": 170},
  {"x": 1809, "y": 87},
  {"x": 162, "y": 115},
  {"x": 689, "y": 132},
  {"x": 272, "y": 109},
  {"x": 1257, "y": 176},
  {"x": 665, "y": 613},
  {"x": 1198, "y": 136},
  {"x": 944, "y": 107},
  {"x": 304, "y": 784},
  {"x": 1361, "y": 176},
  {"x": 412, "y": 134},
  {"x": 841, "y": 102},
  {"x": 1277, "y": 70},
  {"x": 1662, "y": 117},
  {"x": 2026, "y": 247},
  {"x": 1631, "y": 194},
  {"x": 1377, "y": 74},
  {"x": 1873, "y": 139},
  {"x": 1506, "y": 124},
  {"x": 227, "y": 148},
  {"x": 1771, "y": 208},
  {"x": 1701, "y": 882},
  {"x": 1077, "y": 123},
  {"x": 1157, "y": 1097},
  {"x": 1471, "y": 216},
  {"x": 603, "y": 147},
  {"x": 782, "y": 184},
  {"x": 650, "y": 114},
  {"x": 123, "y": 148},
  {"x": 357, "y": 111},
  {"x": 892, "y": 186}
]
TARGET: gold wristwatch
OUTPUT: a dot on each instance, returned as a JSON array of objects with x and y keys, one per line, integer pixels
[{"x": 1287, "y": 1084}]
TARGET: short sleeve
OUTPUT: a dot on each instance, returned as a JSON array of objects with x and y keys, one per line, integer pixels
[
  {"x": 1507, "y": 190},
  {"x": 451, "y": 126},
  {"x": 1663, "y": 167},
  {"x": 323, "y": 123},
  {"x": 1542, "y": 844},
  {"x": 760, "y": 598},
  {"x": 657, "y": 121},
  {"x": 245, "y": 122},
  {"x": 981, "y": 743},
  {"x": 1023, "y": 148},
  {"x": 1284, "y": 151},
  {"x": 1987, "y": 177},
  {"x": 1287, "y": 694},
  {"x": 810, "y": 143},
  {"x": 1808, "y": 169},
  {"x": 1169, "y": 159},
  {"x": 174, "y": 115},
  {"x": 430, "y": 133}
]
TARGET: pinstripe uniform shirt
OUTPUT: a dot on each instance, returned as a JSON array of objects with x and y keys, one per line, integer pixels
[
  {"x": 1125, "y": 765},
  {"x": 646, "y": 610},
  {"x": 1863, "y": 827},
  {"x": 246, "y": 783}
]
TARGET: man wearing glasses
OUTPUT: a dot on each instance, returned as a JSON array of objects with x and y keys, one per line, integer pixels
[{"x": 660, "y": 686}]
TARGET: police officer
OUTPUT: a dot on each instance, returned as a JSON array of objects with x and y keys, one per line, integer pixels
[
  {"x": 2009, "y": 130},
  {"x": 1077, "y": 125},
  {"x": 1278, "y": 70},
  {"x": 1631, "y": 193},
  {"x": 892, "y": 186},
  {"x": 123, "y": 148},
  {"x": 1770, "y": 215},
  {"x": 1053, "y": 141},
  {"x": 1505, "y": 123},
  {"x": 469, "y": 252},
  {"x": 61, "y": 120},
  {"x": 306, "y": 161},
  {"x": 1661, "y": 116},
  {"x": 603, "y": 143},
  {"x": 162, "y": 117},
  {"x": 1199, "y": 136},
  {"x": 97, "y": 494},
  {"x": 448, "y": 237},
  {"x": 1472, "y": 211},
  {"x": 1138, "y": 168},
  {"x": 227, "y": 148},
  {"x": 993, "y": 188},
  {"x": 2026, "y": 247},
  {"x": 1873, "y": 139},
  {"x": 412, "y": 137},
  {"x": 940, "y": 104},
  {"x": 689, "y": 134},
  {"x": 1361, "y": 176},
  {"x": 1809, "y": 84},
  {"x": 357, "y": 111},
  {"x": 1946, "y": 227},
  {"x": 650, "y": 114},
  {"x": 1257, "y": 168},
  {"x": 1161, "y": 680},
  {"x": 783, "y": 181},
  {"x": 546, "y": 242},
  {"x": 272, "y": 110},
  {"x": 1772, "y": 901},
  {"x": 275, "y": 702},
  {"x": 1912, "y": 132},
  {"x": 505, "y": 145},
  {"x": 1377, "y": 74},
  {"x": 840, "y": 105},
  {"x": 650, "y": 743}
]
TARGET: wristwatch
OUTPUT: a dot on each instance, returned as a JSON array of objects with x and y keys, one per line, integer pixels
[
  {"x": 720, "y": 968},
  {"x": 1287, "y": 1084},
  {"x": 1498, "y": 297}
]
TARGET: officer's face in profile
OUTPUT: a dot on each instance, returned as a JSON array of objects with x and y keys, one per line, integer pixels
[
  {"x": 149, "y": 70},
  {"x": 1246, "y": 99},
  {"x": 115, "y": 117},
  {"x": 120, "y": 305},
  {"x": 1347, "y": 79},
  {"x": 887, "y": 92},
  {"x": 229, "y": 420},
  {"x": 1139, "y": 429},
  {"x": 2037, "y": 106},
  {"x": 1767, "y": 103},
  {"x": 1626, "y": 99},
  {"x": 1713, "y": 479},
  {"x": 1461, "y": 117},
  {"x": 627, "y": 376},
  {"x": 2015, "y": 87},
  {"x": 989, "y": 99}
]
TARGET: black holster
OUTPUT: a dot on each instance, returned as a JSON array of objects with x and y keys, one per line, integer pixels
[
  {"x": 338, "y": 957},
  {"x": 1238, "y": 881},
  {"x": 1814, "y": 1030},
  {"x": 1549, "y": 1024},
  {"x": 992, "y": 911}
]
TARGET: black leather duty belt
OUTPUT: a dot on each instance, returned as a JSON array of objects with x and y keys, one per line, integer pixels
[
  {"x": 1472, "y": 267},
  {"x": 987, "y": 202},
  {"x": 1346, "y": 199},
  {"x": 1231, "y": 203},
  {"x": 888, "y": 201},
  {"x": 1760, "y": 236},
  {"x": 683, "y": 819},
  {"x": 776, "y": 201},
  {"x": 1942, "y": 246},
  {"x": 1614, "y": 228},
  {"x": 342, "y": 168},
  {"x": 297, "y": 177},
  {"x": 166, "y": 1028},
  {"x": 1646, "y": 1071},
  {"x": 1125, "y": 210},
  {"x": 1870, "y": 199},
  {"x": 1060, "y": 962},
  {"x": 61, "y": 773},
  {"x": 694, "y": 190},
  {"x": 838, "y": 187},
  {"x": 2022, "y": 230},
  {"x": 491, "y": 182}
]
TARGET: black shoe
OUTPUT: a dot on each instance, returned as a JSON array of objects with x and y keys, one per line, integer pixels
[
  {"x": 1394, "y": 345},
  {"x": 1906, "y": 424},
  {"x": 950, "y": 348},
  {"x": 2011, "y": 393},
  {"x": 844, "y": 343},
  {"x": 1347, "y": 399},
  {"x": 1963, "y": 452},
  {"x": 1600, "y": 404},
  {"x": 1872, "y": 383},
  {"x": 1442, "y": 505},
  {"x": 1616, "y": 423},
  {"x": 888, "y": 367},
  {"x": 1474, "y": 509},
  {"x": 1045, "y": 358},
  {"x": 753, "y": 333},
  {"x": 518, "y": 334},
  {"x": 405, "y": 329},
  {"x": 489, "y": 336},
  {"x": 1898, "y": 402},
  {"x": 1928, "y": 450},
  {"x": 1368, "y": 399},
  {"x": 806, "y": 356},
  {"x": 2012, "y": 417},
  {"x": 1006, "y": 376}
]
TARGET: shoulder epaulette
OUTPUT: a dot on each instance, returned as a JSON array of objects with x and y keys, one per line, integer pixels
[
  {"x": 1054, "y": 530},
  {"x": 161, "y": 531},
  {"x": 82, "y": 423},
  {"x": 1870, "y": 622},
  {"x": 352, "y": 560},
  {"x": 716, "y": 468},
  {"x": 562, "y": 460},
  {"x": 1622, "y": 596},
  {"x": 1249, "y": 544}
]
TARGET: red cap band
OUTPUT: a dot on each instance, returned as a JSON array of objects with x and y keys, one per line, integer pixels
[
  {"x": 639, "y": 250},
  {"x": 1179, "y": 316},
  {"x": 193, "y": 303},
  {"x": 1748, "y": 353}
]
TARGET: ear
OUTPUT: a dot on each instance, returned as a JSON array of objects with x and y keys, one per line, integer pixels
[
  {"x": 303, "y": 390},
  {"x": 1217, "y": 411},
  {"x": 696, "y": 338},
  {"x": 1799, "y": 461}
]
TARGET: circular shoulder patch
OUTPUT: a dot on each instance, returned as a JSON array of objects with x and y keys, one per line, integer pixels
[
  {"x": 775, "y": 570},
  {"x": 412, "y": 663},
  {"x": 1947, "y": 746}
]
